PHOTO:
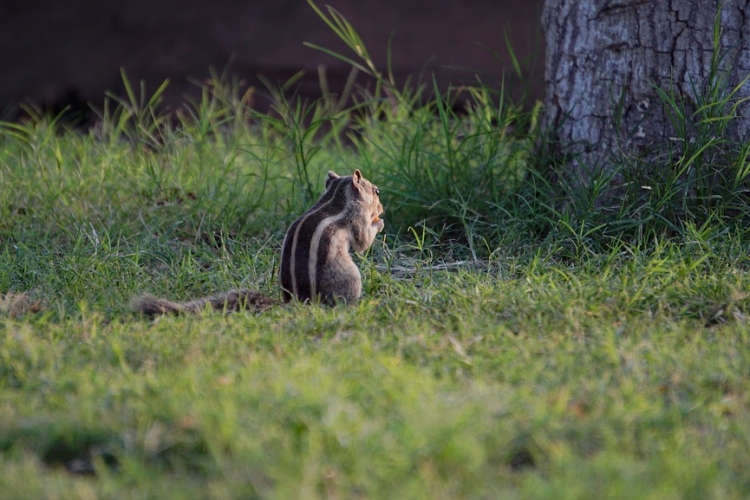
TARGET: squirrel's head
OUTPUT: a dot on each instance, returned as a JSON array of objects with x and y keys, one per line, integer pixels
[{"x": 364, "y": 192}]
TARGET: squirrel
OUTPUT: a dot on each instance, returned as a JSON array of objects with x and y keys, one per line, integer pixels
[{"x": 315, "y": 260}]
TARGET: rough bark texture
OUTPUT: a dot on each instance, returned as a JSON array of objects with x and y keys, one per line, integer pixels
[{"x": 605, "y": 56}]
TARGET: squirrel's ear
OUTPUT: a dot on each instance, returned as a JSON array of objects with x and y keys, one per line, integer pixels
[
  {"x": 331, "y": 176},
  {"x": 357, "y": 181},
  {"x": 357, "y": 176}
]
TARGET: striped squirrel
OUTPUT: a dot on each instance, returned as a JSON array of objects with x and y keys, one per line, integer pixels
[{"x": 315, "y": 260}]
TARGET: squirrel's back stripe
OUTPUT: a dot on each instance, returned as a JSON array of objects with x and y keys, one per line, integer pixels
[
  {"x": 296, "y": 277},
  {"x": 318, "y": 252}
]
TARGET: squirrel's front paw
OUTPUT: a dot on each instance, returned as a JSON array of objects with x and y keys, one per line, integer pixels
[{"x": 378, "y": 223}]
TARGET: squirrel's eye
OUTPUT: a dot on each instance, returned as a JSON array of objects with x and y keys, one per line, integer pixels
[{"x": 377, "y": 191}]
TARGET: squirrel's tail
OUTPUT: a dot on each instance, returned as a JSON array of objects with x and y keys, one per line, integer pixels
[
  {"x": 154, "y": 306},
  {"x": 233, "y": 300}
]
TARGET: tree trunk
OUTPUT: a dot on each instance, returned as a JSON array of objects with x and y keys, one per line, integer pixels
[{"x": 605, "y": 59}]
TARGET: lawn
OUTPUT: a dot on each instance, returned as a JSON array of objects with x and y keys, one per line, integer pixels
[{"x": 508, "y": 344}]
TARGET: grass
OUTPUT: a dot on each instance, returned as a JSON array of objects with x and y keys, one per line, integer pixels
[
  {"x": 507, "y": 345},
  {"x": 627, "y": 376}
]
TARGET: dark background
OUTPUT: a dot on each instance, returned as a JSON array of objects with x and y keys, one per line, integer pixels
[{"x": 69, "y": 52}]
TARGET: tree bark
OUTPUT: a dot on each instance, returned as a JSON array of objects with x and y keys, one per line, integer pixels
[{"x": 605, "y": 59}]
